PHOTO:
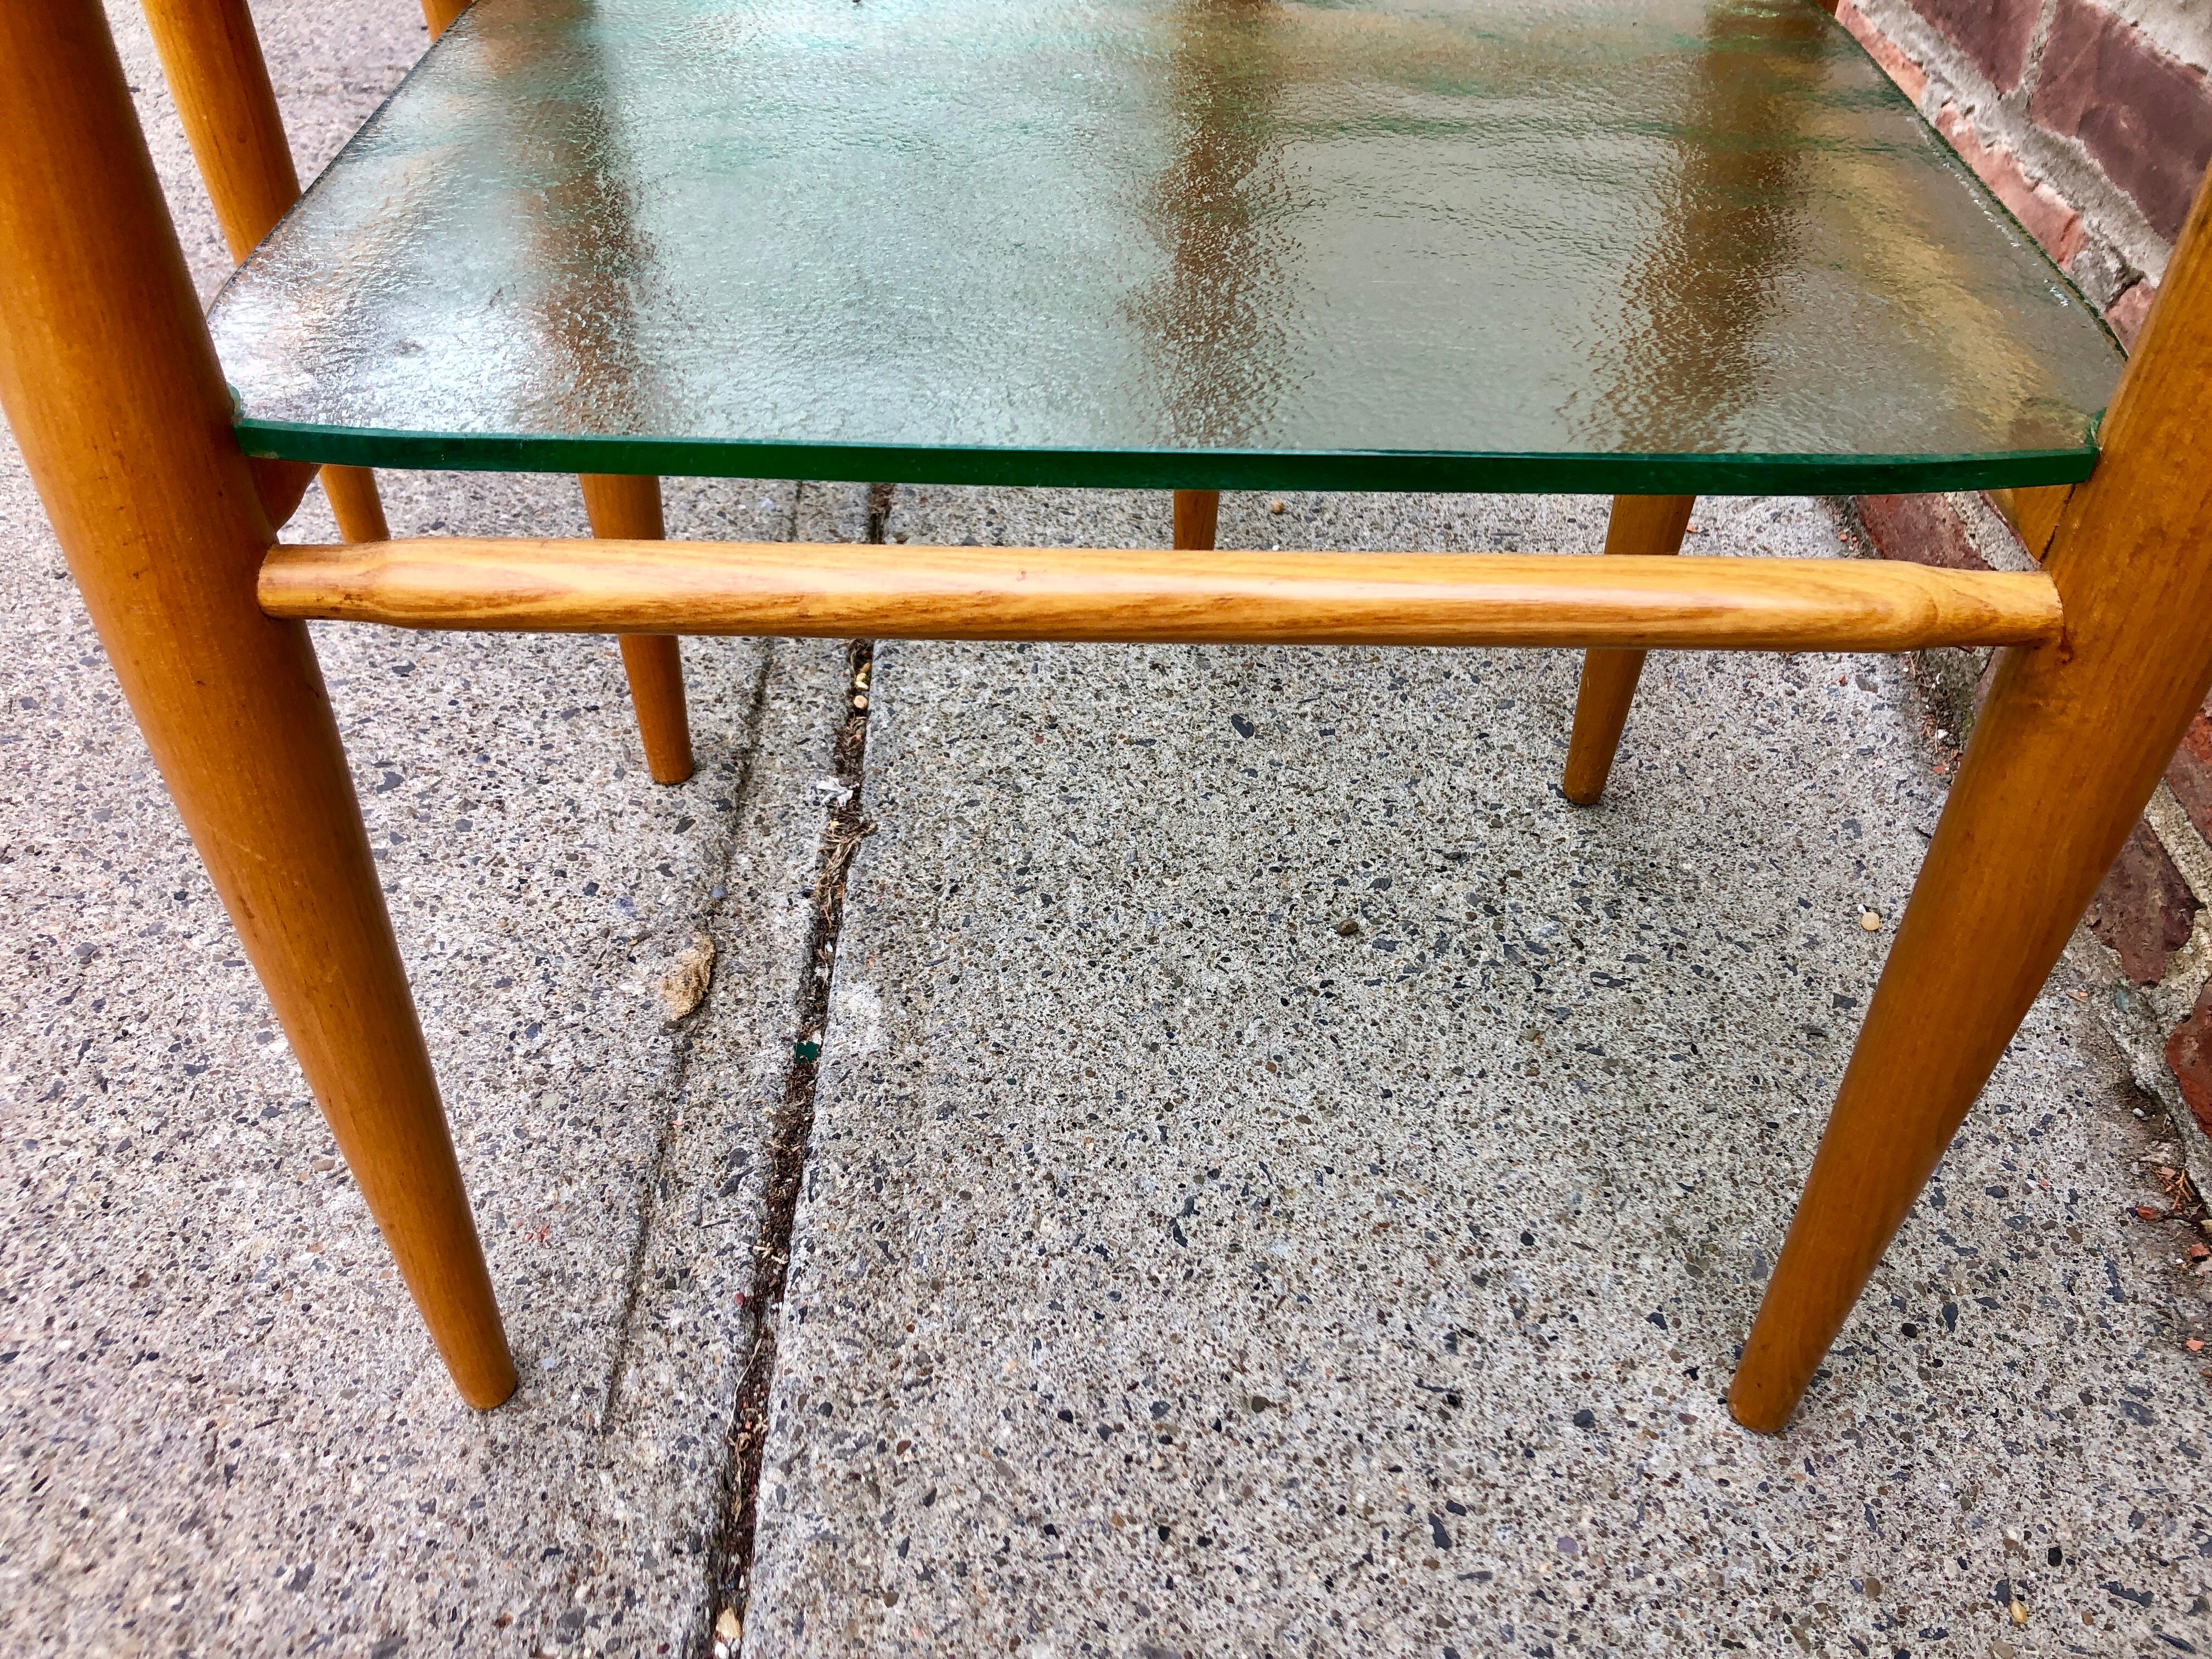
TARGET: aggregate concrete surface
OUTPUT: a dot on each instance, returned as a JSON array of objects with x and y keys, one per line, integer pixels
[{"x": 1283, "y": 1180}]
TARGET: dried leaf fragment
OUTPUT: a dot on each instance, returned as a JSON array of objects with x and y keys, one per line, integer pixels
[{"x": 683, "y": 987}]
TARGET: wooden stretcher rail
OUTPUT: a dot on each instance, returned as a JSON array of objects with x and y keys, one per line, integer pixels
[{"x": 841, "y": 590}]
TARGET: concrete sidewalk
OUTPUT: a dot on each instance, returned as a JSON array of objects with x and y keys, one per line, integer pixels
[
  {"x": 1281, "y": 1180},
  {"x": 1284, "y": 1181}
]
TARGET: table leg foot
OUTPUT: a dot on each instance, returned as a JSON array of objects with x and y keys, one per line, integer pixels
[
  {"x": 2067, "y": 750},
  {"x": 111, "y": 386}
]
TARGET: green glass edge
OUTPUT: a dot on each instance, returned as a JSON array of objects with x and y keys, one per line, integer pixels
[{"x": 1126, "y": 468}]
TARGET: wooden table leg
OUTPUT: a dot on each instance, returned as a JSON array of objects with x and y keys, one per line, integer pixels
[
  {"x": 1640, "y": 523},
  {"x": 351, "y": 492},
  {"x": 440, "y": 14},
  {"x": 627, "y": 508},
  {"x": 110, "y": 383},
  {"x": 2066, "y": 752},
  {"x": 1197, "y": 513},
  {"x": 211, "y": 58},
  {"x": 2033, "y": 513}
]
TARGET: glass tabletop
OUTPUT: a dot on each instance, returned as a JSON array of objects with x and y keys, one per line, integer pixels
[{"x": 1656, "y": 245}]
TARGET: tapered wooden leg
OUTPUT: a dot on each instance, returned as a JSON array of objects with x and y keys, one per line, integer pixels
[
  {"x": 2034, "y": 513},
  {"x": 351, "y": 492},
  {"x": 1197, "y": 512},
  {"x": 110, "y": 381},
  {"x": 440, "y": 14},
  {"x": 655, "y": 669},
  {"x": 627, "y": 508},
  {"x": 1640, "y": 523},
  {"x": 2068, "y": 749},
  {"x": 212, "y": 60}
]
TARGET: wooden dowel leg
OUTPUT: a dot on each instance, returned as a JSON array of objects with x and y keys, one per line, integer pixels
[
  {"x": 2033, "y": 513},
  {"x": 2065, "y": 754},
  {"x": 282, "y": 485},
  {"x": 1197, "y": 513},
  {"x": 1640, "y": 523},
  {"x": 212, "y": 60},
  {"x": 110, "y": 383},
  {"x": 655, "y": 668},
  {"x": 624, "y": 508},
  {"x": 351, "y": 492},
  {"x": 1601, "y": 705},
  {"x": 440, "y": 14}
]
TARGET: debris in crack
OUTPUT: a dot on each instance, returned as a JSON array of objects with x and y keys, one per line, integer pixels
[
  {"x": 879, "y": 510},
  {"x": 842, "y": 840},
  {"x": 2184, "y": 1203},
  {"x": 732, "y": 1561}
]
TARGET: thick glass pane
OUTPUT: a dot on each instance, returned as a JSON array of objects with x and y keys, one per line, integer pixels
[{"x": 1663, "y": 245}]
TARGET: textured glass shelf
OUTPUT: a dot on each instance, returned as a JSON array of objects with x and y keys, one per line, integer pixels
[{"x": 1659, "y": 246}]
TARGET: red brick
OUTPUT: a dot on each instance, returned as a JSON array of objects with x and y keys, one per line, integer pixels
[
  {"x": 2042, "y": 211},
  {"x": 2189, "y": 775},
  {"x": 1920, "y": 530},
  {"x": 1995, "y": 34},
  {"x": 2144, "y": 910},
  {"x": 2146, "y": 117},
  {"x": 2189, "y": 1057},
  {"x": 2130, "y": 311},
  {"x": 1908, "y": 75}
]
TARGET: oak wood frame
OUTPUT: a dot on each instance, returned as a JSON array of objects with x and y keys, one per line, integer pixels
[
  {"x": 211, "y": 58},
  {"x": 110, "y": 384},
  {"x": 439, "y": 15},
  {"x": 2069, "y": 747},
  {"x": 109, "y": 379},
  {"x": 628, "y": 508},
  {"x": 1197, "y": 520}
]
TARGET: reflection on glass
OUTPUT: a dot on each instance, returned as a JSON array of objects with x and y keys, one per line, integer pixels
[
  {"x": 1702, "y": 286},
  {"x": 575, "y": 215},
  {"x": 1075, "y": 240},
  {"x": 1219, "y": 206}
]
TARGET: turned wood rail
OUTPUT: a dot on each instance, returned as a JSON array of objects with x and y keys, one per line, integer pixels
[{"x": 841, "y": 591}]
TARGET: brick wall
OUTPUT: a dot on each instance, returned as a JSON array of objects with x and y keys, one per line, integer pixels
[{"x": 2091, "y": 120}]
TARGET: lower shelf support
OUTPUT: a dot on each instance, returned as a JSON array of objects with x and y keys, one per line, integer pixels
[{"x": 841, "y": 590}]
